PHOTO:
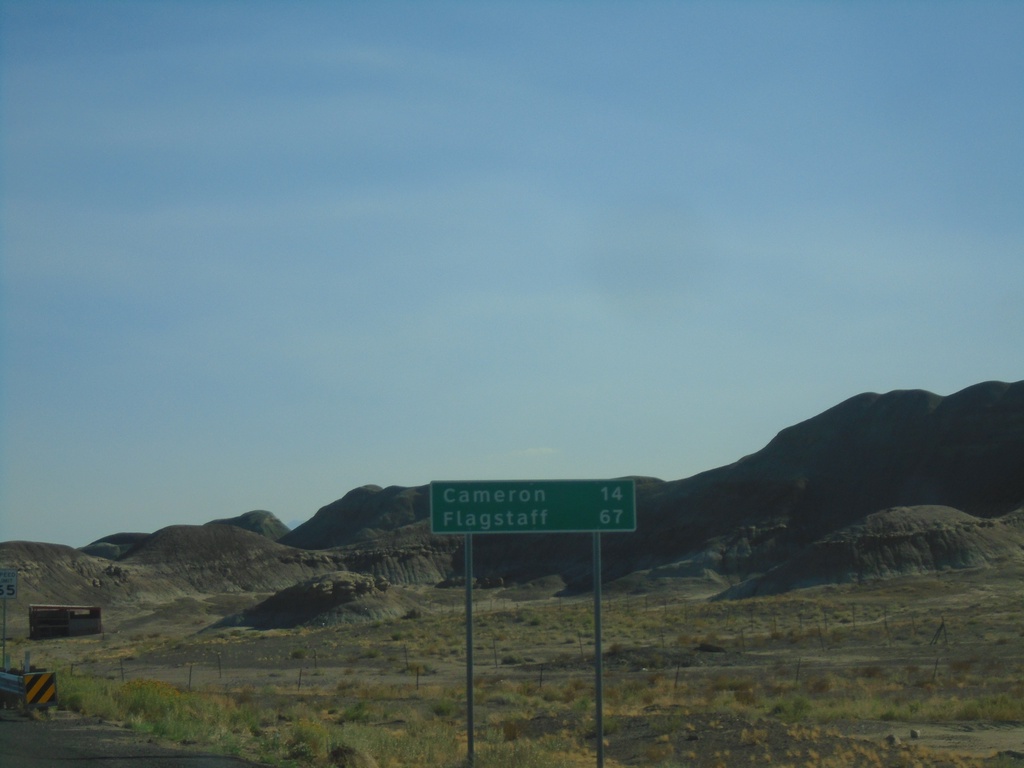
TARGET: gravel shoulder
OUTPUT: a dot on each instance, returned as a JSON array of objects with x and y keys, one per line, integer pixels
[{"x": 53, "y": 740}]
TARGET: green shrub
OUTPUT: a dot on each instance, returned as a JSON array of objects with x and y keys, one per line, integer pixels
[
  {"x": 995, "y": 707},
  {"x": 444, "y": 708},
  {"x": 792, "y": 708},
  {"x": 309, "y": 740},
  {"x": 89, "y": 696},
  {"x": 359, "y": 712},
  {"x": 149, "y": 700}
]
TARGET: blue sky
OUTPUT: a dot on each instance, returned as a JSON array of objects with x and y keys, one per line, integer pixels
[{"x": 257, "y": 254}]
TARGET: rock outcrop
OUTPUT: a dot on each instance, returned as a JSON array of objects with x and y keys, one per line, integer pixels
[
  {"x": 895, "y": 542},
  {"x": 334, "y": 598}
]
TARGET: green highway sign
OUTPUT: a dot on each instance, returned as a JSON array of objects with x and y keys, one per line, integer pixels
[{"x": 533, "y": 506}]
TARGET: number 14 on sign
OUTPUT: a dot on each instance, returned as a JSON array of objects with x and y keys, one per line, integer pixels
[{"x": 611, "y": 516}]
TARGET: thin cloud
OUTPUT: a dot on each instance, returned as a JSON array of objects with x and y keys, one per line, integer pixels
[{"x": 533, "y": 453}]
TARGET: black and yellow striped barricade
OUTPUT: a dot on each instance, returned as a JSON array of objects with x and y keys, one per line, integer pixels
[{"x": 40, "y": 689}]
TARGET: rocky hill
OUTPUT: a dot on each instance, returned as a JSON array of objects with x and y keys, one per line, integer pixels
[
  {"x": 174, "y": 562},
  {"x": 870, "y": 453},
  {"x": 114, "y": 545},
  {"x": 879, "y": 485},
  {"x": 258, "y": 521},
  {"x": 363, "y": 514}
]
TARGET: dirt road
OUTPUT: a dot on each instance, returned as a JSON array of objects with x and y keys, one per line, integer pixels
[{"x": 63, "y": 737}]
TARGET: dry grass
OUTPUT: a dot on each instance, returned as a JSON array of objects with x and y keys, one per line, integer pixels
[{"x": 395, "y": 689}]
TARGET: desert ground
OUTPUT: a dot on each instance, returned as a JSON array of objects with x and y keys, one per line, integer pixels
[{"x": 925, "y": 670}]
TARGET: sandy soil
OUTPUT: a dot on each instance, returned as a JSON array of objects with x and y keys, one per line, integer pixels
[{"x": 177, "y": 642}]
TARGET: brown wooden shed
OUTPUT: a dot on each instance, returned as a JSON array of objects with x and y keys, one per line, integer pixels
[{"x": 45, "y": 621}]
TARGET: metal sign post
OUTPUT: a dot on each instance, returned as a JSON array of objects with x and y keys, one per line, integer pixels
[
  {"x": 598, "y": 655},
  {"x": 533, "y": 506},
  {"x": 469, "y": 649}
]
